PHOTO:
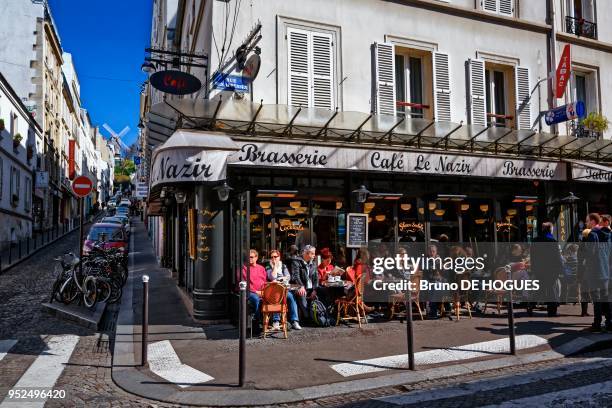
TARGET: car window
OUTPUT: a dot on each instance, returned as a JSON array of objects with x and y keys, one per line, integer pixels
[{"x": 111, "y": 234}]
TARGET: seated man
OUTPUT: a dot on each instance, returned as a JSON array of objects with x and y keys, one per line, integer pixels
[
  {"x": 257, "y": 280},
  {"x": 305, "y": 274}
]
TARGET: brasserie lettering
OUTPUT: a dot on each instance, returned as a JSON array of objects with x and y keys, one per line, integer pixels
[
  {"x": 395, "y": 162},
  {"x": 510, "y": 169},
  {"x": 189, "y": 170},
  {"x": 251, "y": 153}
]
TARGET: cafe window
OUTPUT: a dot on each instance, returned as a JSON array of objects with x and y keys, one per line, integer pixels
[{"x": 499, "y": 94}]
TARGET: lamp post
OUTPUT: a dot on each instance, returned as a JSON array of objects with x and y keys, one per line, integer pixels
[
  {"x": 571, "y": 200},
  {"x": 223, "y": 191},
  {"x": 361, "y": 194}
]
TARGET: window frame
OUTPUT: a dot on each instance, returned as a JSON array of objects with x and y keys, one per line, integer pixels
[{"x": 426, "y": 81}]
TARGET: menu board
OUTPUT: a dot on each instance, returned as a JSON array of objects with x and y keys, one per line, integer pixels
[
  {"x": 356, "y": 230},
  {"x": 191, "y": 232}
]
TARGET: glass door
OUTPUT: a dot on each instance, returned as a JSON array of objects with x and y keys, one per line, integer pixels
[{"x": 240, "y": 234}]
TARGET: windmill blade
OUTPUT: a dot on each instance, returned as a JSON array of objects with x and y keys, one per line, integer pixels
[
  {"x": 121, "y": 144},
  {"x": 109, "y": 130},
  {"x": 123, "y": 132}
]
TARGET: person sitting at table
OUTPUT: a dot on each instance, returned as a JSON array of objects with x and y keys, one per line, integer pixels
[
  {"x": 277, "y": 272},
  {"x": 257, "y": 280},
  {"x": 326, "y": 266},
  {"x": 305, "y": 274},
  {"x": 325, "y": 293},
  {"x": 360, "y": 268}
]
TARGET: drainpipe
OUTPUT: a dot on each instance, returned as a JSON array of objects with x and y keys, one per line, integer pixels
[{"x": 551, "y": 46}]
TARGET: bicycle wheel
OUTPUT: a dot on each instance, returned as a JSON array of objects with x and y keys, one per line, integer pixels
[
  {"x": 117, "y": 291},
  {"x": 68, "y": 292},
  {"x": 104, "y": 290},
  {"x": 89, "y": 291}
]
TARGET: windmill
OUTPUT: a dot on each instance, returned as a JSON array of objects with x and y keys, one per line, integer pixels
[{"x": 116, "y": 137}]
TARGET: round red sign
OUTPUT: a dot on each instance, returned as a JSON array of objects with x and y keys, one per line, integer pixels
[{"x": 82, "y": 185}]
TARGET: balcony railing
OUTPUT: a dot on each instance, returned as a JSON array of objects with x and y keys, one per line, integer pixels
[
  {"x": 581, "y": 27},
  {"x": 411, "y": 109},
  {"x": 579, "y": 130},
  {"x": 498, "y": 119}
]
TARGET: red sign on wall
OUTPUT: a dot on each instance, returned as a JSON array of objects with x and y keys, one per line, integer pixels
[
  {"x": 175, "y": 82},
  {"x": 71, "y": 159},
  {"x": 563, "y": 72}
]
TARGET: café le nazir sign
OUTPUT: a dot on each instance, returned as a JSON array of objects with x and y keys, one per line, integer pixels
[{"x": 337, "y": 158}]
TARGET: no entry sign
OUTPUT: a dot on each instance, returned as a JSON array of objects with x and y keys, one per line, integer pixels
[{"x": 82, "y": 185}]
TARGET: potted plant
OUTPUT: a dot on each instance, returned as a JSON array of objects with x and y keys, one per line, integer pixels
[
  {"x": 16, "y": 140},
  {"x": 596, "y": 122}
]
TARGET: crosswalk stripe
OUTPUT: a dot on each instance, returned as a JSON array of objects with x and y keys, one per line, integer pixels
[
  {"x": 164, "y": 362},
  {"x": 45, "y": 370},
  {"x": 443, "y": 355},
  {"x": 5, "y": 346},
  {"x": 479, "y": 386}
]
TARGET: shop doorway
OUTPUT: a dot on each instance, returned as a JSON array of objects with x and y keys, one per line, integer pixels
[{"x": 240, "y": 226}]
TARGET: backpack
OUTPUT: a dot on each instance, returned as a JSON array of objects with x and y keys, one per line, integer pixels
[{"x": 318, "y": 313}]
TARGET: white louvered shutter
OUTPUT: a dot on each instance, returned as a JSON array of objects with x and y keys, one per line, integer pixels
[
  {"x": 442, "y": 88},
  {"x": 299, "y": 67},
  {"x": 506, "y": 7},
  {"x": 523, "y": 89},
  {"x": 489, "y": 5},
  {"x": 322, "y": 71},
  {"x": 477, "y": 92},
  {"x": 384, "y": 65}
]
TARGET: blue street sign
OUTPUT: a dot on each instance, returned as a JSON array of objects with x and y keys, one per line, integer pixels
[
  {"x": 136, "y": 160},
  {"x": 564, "y": 113},
  {"x": 227, "y": 82}
]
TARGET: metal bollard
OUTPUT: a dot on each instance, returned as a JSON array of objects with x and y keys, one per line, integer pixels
[
  {"x": 19, "y": 249},
  {"x": 27, "y": 245},
  {"x": 10, "y": 257},
  {"x": 145, "y": 318},
  {"x": 242, "y": 329},
  {"x": 511, "y": 318},
  {"x": 409, "y": 329}
]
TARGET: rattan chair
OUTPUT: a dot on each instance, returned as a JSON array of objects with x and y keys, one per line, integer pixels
[
  {"x": 274, "y": 300},
  {"x": 351, "y": 307}
]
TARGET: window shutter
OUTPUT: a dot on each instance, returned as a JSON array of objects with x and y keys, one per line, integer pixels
[
  {"x": 442, "y": 89},
  {"x": 506, "y": 7},
  {"x": 489, "y": 5},
  {"x": 322, "y": 71},
  {"x": 478, "y": 96},
  {"x": 523, "y": 89},
  {"x": 384, "y": 67},
  {"x": 299, "y": 67}
]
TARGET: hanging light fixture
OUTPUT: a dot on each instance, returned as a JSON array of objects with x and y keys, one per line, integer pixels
[
  {"x": 295, "y": 204},
  {"x": 421, "y": 210},
  {"x": 381, "y": 217},
  {"x": 367, "y": 207},
  {"x": 369, "y": 219},
  {"x": 302, "y": 209},
  {"x": 484, "y": 207},
  {"x": 223, "y": 191},
  {"x": 291, "y": 213},
  {"x": 361, "y": 194},
  {"x": 432, "y": 205},
  {"x": 265, "y": 204},
  {"x": 511, "y": 211},
  {"x": 338, "y": 205},
  {"x": 406, "y": 206},
  {"x": 480, "y": 221},
  {"x": 529, "y": 208},
  {"x": 267, "y": 211},
  {"x": 440, "y": 212},
  {"x": 465, "y": 207}
]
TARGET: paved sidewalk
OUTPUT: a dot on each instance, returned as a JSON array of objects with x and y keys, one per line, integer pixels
[{"x": 191, "y": 363}]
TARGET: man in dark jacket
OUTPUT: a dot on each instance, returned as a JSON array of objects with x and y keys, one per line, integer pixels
[
  {"x": 597, "y": 270},
  {"x": 305, "y": 274},
  {"x": 547, "y": 267}
]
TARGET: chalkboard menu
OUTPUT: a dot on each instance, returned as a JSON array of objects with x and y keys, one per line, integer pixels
[{"x": 356, "y": 230}]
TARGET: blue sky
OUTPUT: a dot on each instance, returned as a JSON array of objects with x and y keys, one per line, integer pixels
[{"x": 107, "y": 41}]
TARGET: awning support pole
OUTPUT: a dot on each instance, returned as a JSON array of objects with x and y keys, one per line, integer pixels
[
  {"x": 251, "y": 127},
  {"x": 496, "y": 142},
  {"x": 418, "y": 135},
  {"x": 213, "y": 120},
  {"x": 390, "y": 132},
  {"x": 446, "y": 137},
  {"x": 290, "y": 125},
  {"x": 471, "y": 141},
  {"x": 358, "y": 130},
  {"x": 324, "y": 128},
  {"x": 518, "y": 145}
]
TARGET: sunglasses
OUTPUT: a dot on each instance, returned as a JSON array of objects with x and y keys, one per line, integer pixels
[
  {"x": 275, "y": 256},
  {"x": 252, "y": 257}
]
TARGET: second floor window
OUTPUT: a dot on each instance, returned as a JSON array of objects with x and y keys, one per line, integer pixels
[
  {"x": 410, "y": 79},
  {"x": 580, "y": 18},
  {"x": 311, "y": 65}
]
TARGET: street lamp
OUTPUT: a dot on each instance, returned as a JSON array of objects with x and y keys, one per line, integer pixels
[
  {"x": 181, "y": 197},
  {"x": 223, "y": 191},
  {"x": 361, "y": 194},
  {"x": 147, "y": 67}
]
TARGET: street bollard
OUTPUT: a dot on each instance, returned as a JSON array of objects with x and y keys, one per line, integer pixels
[
  {"x": 409, "y": 329},
  {"x": 511, "y": 318},
  {"x": 10, "y": 257},
  {"x": 145, "y": 318},
  {"x": 19, "y": 249},
  {"x": 27, "y": 245},
  {"x": 242, "y": 330}
]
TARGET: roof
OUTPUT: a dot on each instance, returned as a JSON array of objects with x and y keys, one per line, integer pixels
[{"x": 315, "y": 125}]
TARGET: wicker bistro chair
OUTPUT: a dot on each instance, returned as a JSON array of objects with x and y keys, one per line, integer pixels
[
  {"x": 397, "y": 301},
  {"x": 274, "y": 300},
  {"x": 351, "y": 307}
]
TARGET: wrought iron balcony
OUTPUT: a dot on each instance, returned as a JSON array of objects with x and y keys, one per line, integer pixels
[{"x": 581, "y": 27}]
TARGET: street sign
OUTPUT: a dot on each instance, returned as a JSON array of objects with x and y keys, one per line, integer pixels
[
  {"x": 81, "y": 186},
  {"x": 226, "y": 82},
  {"x": 564, "y": 113},
  {"x": 563, "y": 72},
  {"x": 42, "y": 179},
  {"x": 142, "y": 190},
  {"x": 175, "y": 82},
  {"x": 136, "y": 160}
]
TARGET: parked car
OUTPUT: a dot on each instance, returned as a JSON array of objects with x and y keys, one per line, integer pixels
[
  {"x": 118, "y": 219},
  {"x": 111, "y": 235}
]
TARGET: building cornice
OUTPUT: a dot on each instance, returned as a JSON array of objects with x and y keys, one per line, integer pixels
[
  {"x": 475, "y": 14},
  {"x": 15, "y": 214},
  {"x": 584, "y": 42}
]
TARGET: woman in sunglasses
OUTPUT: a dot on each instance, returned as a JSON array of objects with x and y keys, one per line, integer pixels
[{"x": 277, "y": 272}]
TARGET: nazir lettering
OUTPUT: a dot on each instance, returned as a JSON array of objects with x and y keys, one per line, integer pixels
[
  {"x": 251, "y": 153},
  {"x": 192, "y": 170}
]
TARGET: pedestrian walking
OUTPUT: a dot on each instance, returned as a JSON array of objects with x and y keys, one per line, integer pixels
[
  {"x": 547, "y": 267},
  {"x": 597, "y": 270}
]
